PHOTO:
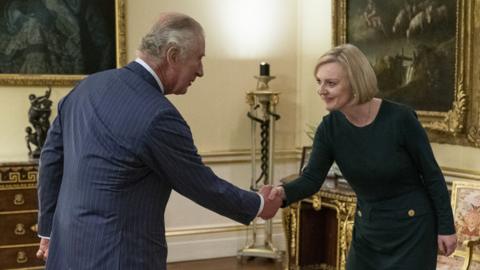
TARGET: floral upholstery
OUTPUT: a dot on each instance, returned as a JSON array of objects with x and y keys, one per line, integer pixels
[{"x": 466, "y": 208}]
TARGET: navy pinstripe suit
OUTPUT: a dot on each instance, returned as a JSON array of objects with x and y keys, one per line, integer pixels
[{"x": 113, "y": 154}]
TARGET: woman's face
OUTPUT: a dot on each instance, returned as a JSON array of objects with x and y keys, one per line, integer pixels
[{"x": 333, "y": 86}]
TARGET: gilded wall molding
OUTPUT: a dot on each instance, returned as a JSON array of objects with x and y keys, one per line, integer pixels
[
  {"x": 173, "y": 232},
  {"x": 474, "y": 135},
  {"x": 244, "y": 155},
  {"x": 461, "y": 173}
]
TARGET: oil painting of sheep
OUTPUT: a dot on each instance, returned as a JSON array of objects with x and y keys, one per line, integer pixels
[{"x": 411, "y": 45}]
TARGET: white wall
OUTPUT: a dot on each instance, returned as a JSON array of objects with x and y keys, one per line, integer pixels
[
  {"x": 315, "y": 37},
  {"x": 14, "y": 119},
  {"x": 239, "y": 35}
]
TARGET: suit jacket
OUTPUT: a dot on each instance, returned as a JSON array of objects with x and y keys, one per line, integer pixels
[{"x": 112, "y": 156}]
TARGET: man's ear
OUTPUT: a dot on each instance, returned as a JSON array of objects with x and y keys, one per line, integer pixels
[{"x": 172, "y": 55}]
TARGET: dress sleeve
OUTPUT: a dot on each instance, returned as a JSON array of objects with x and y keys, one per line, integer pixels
[
  {"x": 419, "y": 148},
  {"x": 313, "y": 176}
]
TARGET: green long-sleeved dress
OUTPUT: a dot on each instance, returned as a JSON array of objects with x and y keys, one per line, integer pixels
[{"x": 402, "y": 198}]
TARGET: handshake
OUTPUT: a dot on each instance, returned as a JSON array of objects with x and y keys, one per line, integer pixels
[{"x": 273, "y": 198}]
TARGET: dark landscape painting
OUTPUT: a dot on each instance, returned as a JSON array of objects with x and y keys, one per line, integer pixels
[
  {"x": 57, "y": 36},
  {"x": 411, "y": 45}
]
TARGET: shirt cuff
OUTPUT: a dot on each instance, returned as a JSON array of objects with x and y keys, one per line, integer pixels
[
  {"x": 262, "y": 203},
  {"x": 44, "y": 237}
]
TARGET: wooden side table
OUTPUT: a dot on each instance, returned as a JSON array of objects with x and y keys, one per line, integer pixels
[{"x": 319, "y": 229}]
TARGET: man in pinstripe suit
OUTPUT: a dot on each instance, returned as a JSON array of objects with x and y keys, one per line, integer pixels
[{"x": 116, "y": 150}]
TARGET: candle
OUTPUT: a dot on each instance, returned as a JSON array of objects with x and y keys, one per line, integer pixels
[{"x": 264, "y": 69}]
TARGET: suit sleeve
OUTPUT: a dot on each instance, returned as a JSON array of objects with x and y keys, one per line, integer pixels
[
  {"x": 50, "y": 176},
  {"x": 170, "y": 152},
  {"x": 421, "y": 152}
]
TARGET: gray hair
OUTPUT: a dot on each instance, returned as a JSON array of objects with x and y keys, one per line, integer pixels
[{"x": 172, "y": 29}]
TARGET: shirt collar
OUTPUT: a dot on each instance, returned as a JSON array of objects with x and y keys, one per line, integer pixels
[{"x": 150, "y": 70}]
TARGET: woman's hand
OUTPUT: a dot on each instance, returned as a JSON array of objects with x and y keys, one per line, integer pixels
[
  {"x": 276, "y": 192},
  {"x": 447, "y": 244}
]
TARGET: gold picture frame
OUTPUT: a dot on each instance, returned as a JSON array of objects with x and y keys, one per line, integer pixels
[
  {"x": 59, "y": 32},
  {"x": 465, "y": 203},
  {"x": 460, "y": 122}
]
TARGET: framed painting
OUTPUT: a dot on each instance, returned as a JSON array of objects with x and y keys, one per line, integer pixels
[
  {"x": 466, "y": 209},
  {"x": 58, "y": 42},
  {"x": 421, "y": 51}
]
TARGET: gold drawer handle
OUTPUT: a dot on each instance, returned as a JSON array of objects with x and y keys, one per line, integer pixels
[
  {"x": 22, "y": 257},
  {"x": 18, "y": 200},
  {"x": 34, "y": 228},
  {"x": 20, "y": 229}
]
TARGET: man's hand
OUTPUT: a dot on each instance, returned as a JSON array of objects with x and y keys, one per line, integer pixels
[
  {"x": 270, "y": 206},
  {"x": 447, "y": 244},
  {"x": 277, "y": 192},
  {"x": 42, "y": 252}
]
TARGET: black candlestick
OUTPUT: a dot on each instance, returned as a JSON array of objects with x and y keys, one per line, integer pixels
[{"x": 264, "y": 69}]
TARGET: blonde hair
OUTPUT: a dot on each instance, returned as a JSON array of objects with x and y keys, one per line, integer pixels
[{"x": 360, "y": 74}]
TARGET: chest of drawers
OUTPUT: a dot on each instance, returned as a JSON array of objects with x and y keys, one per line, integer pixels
[{"x": 18, "y": 216}]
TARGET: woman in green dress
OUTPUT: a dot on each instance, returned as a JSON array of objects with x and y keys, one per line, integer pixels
[{"x": 403, "y": 212}]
